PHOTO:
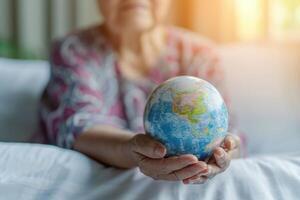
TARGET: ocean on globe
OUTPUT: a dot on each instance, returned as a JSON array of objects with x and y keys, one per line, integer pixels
[{"x": 187, "y": 115}]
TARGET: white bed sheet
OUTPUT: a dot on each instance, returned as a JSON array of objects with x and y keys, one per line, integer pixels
[{"x": 33, "y": 172}]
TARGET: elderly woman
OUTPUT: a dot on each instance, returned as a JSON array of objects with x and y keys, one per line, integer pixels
[{"x": 100, "y": 80}]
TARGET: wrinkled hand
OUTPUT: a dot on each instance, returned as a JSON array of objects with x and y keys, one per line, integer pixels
[
  {"x": 219, "y": 161},
  {"x": 149, "y": 157}
]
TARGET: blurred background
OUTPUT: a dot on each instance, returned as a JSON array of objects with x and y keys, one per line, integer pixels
[
  {"x": 29, "y": 25},
  {"x": 258, "y": 42}
]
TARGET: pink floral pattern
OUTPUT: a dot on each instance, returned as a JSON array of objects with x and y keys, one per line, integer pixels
[{"x": 86, "y": 87}]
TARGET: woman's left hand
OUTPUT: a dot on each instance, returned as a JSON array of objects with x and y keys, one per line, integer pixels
[{"x": 219, "y": 161}]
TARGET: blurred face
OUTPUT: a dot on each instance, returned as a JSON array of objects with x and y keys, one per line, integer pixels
[{"x": 133, "y": 15}]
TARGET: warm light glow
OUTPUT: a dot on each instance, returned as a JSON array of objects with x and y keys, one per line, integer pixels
[
  {"x": 285, "y": 19},
  {"x": 249, "y": 19},
  {"x": 279, "y": 19},
  {"x": 298, "y": 16}
]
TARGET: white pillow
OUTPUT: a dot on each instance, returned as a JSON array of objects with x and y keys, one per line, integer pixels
[{"x": 21, "y": 84}]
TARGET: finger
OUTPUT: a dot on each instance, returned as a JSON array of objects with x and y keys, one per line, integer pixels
[
  {"x": 145, "y": 145},
  {"x": 166, "y": 165},
  {"x": 222, "y": 158},
  {"x": 192, "y": 170},
  {"x": 201, "y": 180},
  {"x": 231, "y": 142},
  {"x": 197, "y": 179},
  {"x": 213, "y": 170},
  {"x": 166, "y": 177}
]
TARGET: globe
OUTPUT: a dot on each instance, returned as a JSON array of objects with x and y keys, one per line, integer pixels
[{"x": 187, "y": 115}]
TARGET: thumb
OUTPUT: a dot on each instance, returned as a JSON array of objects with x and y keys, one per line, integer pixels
[
  {"x": 145, "y": 145},
  {"x": 231, "y": 142}
]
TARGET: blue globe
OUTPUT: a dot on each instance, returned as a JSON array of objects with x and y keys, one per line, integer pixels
[{"x": 187, "y": 115}]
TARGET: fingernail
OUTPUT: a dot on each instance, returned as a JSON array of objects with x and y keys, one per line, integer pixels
[
  {"x": 188, "y": 181},
  {"x": 159, "y": 150},
  {"x": 204, "y": 171},
  {"x": 191, "y": 161},
  {"x": 230, "y": 143},
  {"x": 220, "y": 153},
  {"x": 202, "y": 165}
]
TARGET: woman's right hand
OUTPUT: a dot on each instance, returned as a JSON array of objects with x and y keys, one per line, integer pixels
[{"x": 148, "y": 154}]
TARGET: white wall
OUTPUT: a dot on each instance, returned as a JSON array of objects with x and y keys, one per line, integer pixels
[{"x": 264, "y": 85}]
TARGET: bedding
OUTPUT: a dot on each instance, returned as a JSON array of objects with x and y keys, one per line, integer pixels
[{"x": 30, "y": 171}]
